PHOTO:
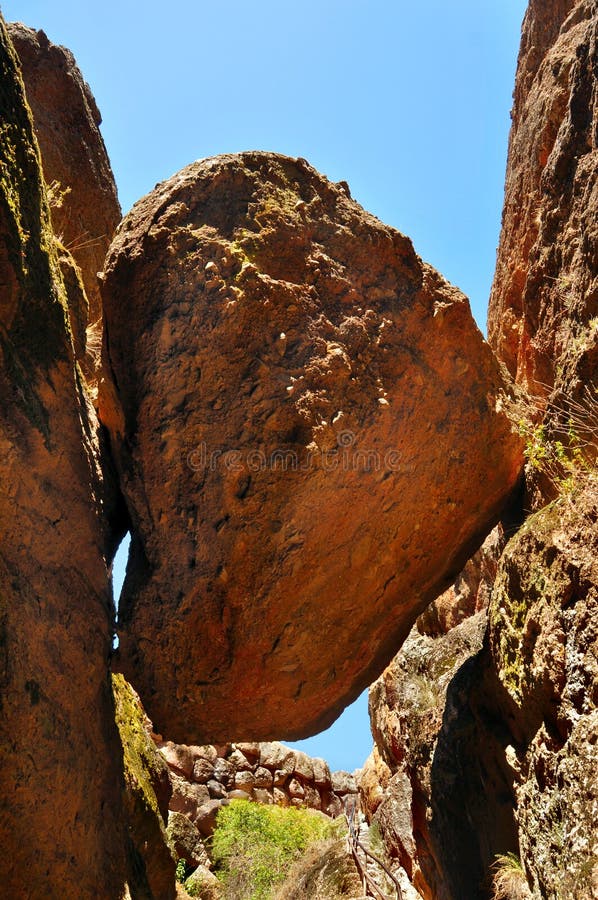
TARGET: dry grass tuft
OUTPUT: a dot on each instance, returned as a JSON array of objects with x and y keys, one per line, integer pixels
[{"x": 509, "y": 881}]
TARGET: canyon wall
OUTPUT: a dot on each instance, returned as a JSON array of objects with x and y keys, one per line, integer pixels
[
  {"x": 542, "y": 318},
  {"x": 60, "y": 765},
  {"x": 488, "y": 748}
]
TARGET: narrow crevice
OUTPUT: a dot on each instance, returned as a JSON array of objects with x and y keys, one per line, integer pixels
[{"x": 119, "y": 566}]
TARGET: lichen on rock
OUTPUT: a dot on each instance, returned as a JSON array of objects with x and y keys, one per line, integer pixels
[
  {"x": 147, "y": 793},
  {"x": 59, "y": 757},
  {"x": 544, "y": 642}
]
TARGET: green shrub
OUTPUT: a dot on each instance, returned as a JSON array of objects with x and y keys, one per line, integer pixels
[
  {"x": 253, "y": 846},
  {"x": 561, "y": 440},
  {"x": 181, "y": 871}
]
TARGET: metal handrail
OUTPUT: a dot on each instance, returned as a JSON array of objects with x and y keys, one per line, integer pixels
[{"x": 354, "y": 845}]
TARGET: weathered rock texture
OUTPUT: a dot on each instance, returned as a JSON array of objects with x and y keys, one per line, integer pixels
[
  {"x": 147, "y": 793},
  {"x": 506, "y": 760},
  {"x": 311, "y": 443},
  {"x": 469, "y": 594},
  {"x": 85, "y": 211},
  {"x": 60, "y": 758},
  {"x": 544, "y": 642},
  {"x": 543, "y": 315},
  {"x": 323, "y": 871},
  {"x": 438, "y": 786},
  {"x": 203, "y": 778},
  {"x": 543, "y": 321}
]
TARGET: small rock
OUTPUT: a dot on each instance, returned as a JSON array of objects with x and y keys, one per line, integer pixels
[
  {"x": 304, "y": 766},
  {"x": 203, "y": 770},
  {"x": 343, "y": 783},
  {"x": 321, "y": 773},
  {"x": 186, "y": 797},
  {"x": 263, "y": 777},
  {"x": 244, "y": 780},
  {"x": 217, "y": 790},
  {"x": 185, "y": 840},
  {"x": 224, "y": 772},
  {"x": 180, "y": 758},
  {"x": 295, "y": 789},
  {"x": 238, "y": 760},
  {"x": 205, "y": 818}
]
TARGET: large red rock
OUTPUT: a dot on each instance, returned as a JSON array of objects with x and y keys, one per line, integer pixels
[
  {"x": 543, "y": 315},
  {"x": 60, "y": 757},
  {"x": 310, "y": 440},
  {"x": 85, "y": 211}
]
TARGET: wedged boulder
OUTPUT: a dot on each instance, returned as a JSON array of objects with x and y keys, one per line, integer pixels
[
  {"x": 542, "y": 315},
  {"x": 60, "y": 758},
  {"x": 84, "y": 203},
  {"x": 310, "y": 439}
]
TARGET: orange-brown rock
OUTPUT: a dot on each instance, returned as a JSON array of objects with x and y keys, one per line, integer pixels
[
  {"x": 147, "y": 794},
  {"x": 543, "y": 316},
  {"x": 84, "y": 204},
  {"x": 469, "y": 594},
  {"x": 311, "y": 443},
  {"x": 60, "y": 757},
  {"x": 438, "y": 785}
]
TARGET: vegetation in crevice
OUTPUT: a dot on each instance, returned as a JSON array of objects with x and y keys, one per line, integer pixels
[{"x": 509, "y": 881}]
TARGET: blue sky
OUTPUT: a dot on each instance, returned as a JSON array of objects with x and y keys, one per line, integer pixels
[{"x": 407, "y": 102}]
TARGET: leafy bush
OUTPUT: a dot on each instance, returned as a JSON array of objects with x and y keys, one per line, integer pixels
[
  {"x": 253, "y": 846},
  {"x": 181, "y": 871}
]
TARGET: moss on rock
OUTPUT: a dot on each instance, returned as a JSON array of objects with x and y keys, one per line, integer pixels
[{"x": 147, "y": 791}]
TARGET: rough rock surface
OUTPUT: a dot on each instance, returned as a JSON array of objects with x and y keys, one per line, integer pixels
[
  {"x": 60, "y": 758},
  {"x": 526, "y": 705},
  {"x": 147, "y": 793},
  {"x": 543, "y": 315},
  {"x": 324, "y": 871},
  {"x": 66, "y": 120},
  {"x": 293, "y": 380},
  {"x": 544, "y": 642},
  {"x": 469, "y": 594},
  {"x": 205, "y": 777},
  {"x": 438, "y": 786}
]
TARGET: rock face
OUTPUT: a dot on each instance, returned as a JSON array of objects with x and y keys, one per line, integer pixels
[
  {"x": 326, "y": 871},
  {"x": 203, "y": 778},
  {"x": 544, "y": 643},
  {"x": 85, "y": 211},
  {"x": 543, "y": 322},
  {"x": 294, "y": 381},
  {"x": 60, "y": 765},
  {"x": 542, "y": 319},
  {"x": 438, "y": 786},
  {"x": 469, "y": 594},
  {"x": 516, "y": 729},
  {"x": 147, "y": 793}
]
